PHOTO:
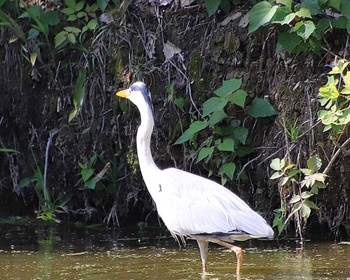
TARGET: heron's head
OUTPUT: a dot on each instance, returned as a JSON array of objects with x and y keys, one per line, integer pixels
[{"x": 137, "y": 93}]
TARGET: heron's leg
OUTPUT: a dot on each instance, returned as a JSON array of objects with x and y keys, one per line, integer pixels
[
  {"x": 236, "y": 249},
  {"x": 203, "y": 249}
]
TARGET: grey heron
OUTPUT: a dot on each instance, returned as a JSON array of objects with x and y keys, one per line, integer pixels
[{"x": 189, "y": 205}]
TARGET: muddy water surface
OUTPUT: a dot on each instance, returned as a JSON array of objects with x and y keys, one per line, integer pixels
[{"x": 71, "y": 253}]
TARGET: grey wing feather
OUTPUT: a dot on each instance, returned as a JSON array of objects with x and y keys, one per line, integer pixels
[{"x": 190, "y": 204}]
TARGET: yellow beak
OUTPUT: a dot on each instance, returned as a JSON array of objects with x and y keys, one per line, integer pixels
[{"x": 123, "y": 93}]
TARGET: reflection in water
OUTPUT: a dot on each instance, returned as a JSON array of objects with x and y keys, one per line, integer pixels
[{"x": 27, "y": 253}]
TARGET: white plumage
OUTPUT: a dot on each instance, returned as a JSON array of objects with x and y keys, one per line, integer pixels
[{"x": 190, "y": 205}]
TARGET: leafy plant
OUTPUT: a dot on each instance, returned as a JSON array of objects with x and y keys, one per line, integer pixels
[
  {"x": 302, "y": 25},
  {"x": 6, "y": 150},
  {"x": 292, "y": 130},
  {"x": 88, "y": 174},
  {"x": 297, "y": 185},
  {"x": 84, "y": 18},
  {"x": 48, "y": 208},
  {"x": 78, "y": 97},
  {"x": 335, "y": 98},
  {"x": 228, "y": 139},
  {"x": 212, "y": 6}
]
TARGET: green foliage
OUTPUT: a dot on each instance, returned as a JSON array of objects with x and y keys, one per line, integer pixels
[
  {"x": 228, "y": 139},
  {"x": 87, "y": 173},
  {"x": 261, "y": 108},
  {"x": 300, "y": 184},
  {"x": 334, "y": 97},
  {"x": 48, "y": 207},
  {"x": 302, "y": 26},
  {"x": 79, "y": 93},
  {"x": 83, "y": 17},
  {"x": 6, "y": 150},
  {"x": 104, "y": 180},
  {"x": 212, "y": 6},
  {"x": 292, "y": 130},
  {"x": 42, "y": 20}
]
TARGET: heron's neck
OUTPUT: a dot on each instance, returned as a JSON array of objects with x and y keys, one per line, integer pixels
[{"x": 148, "y": 168}]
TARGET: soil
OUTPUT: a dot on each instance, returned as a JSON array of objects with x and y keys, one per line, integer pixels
[{"x": 202, "y": 52}]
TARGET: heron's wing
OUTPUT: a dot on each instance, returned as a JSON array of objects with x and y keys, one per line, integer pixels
[{"x": 190, "y": 204}]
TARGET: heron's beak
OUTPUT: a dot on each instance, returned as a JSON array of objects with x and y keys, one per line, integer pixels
[{"x": 123, "y": 93}]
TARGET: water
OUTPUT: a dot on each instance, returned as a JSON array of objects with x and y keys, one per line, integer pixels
[{"x": 71, "y": 253}]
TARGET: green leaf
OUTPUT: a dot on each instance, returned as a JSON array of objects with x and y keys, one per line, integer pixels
[
  {"x": 72, "y": 18},
  {"x": 334, "y": 4},
  {"x": 277, "y": 164},
  {"x": 216, "y": 117},
  {"x": 310, "y": 204},
  {"x": 213, "y": 104},
  {"x": 79, "y": 6},
  {"x": 33, "y": 33},
  {"x": 293, "y": 172},
  {"x": 86, "y": 173},
  {"x": 241, "y": 134},
  {"x": 71, "y": 38},
  {"x": 314, "y": 190},
  {"x": 296, "y": 198},
  {"x": 304, "y": 29},
  {"x": 327, "y": 117},
  {"x": 32, "y": 12},
  {"x": 228, "y": 169},
  {"x": 345, "y": 8},
  {"x": 338, "y": 68},
  {"x": 319, "y": 185},
  {"x": 260, "y": 15},
  {"x": 228, "y": 86},
  {"x": 287, "y": 41},
  {"x": 92, "y": 24},
  {"x": 205, "y": 152},
  {"x": 238, "y": 98},
  {"x": 305, "y": 211},
  {"x": 261, "y": 108},
  {"x": 284, "y": 181},
  {"x": 287, "y": 3},
  {"x": 50, "y": 18},
  {"x": 276, "y": 175},
  {"x": 33, "y": 57},
  {"x": 91, "y": 184},
  {"x": 212, "y": 6},
  {"x": 5, "y": 150},
  {"x": 78, "y": 94},
  {"x": 72, "y": 114},
  {"x": 191, "y": 131},
  {"x": 314, "y": 163},
  {"x": 303, "y": 13},
  {"x": 25, "y": 182},
  {"x": 283, "y": 16},
  {"x": 312, "y": 5},
  {"x": 72, "y": 29},
  {"x": 81, "y": 14},
  {"x": 70, "y": 3},
  {"x": 306, "y": 195},
  {"x": 102, "y": 4},
  {"x": 180, "y": 102},
  {"x": 278, "y": 222},
  {"x": 68, "y": 11},
  {"x": 228, "y": 145},
  {"x": 306, "y": 171},
  {"x": 60, "y": 38}
]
